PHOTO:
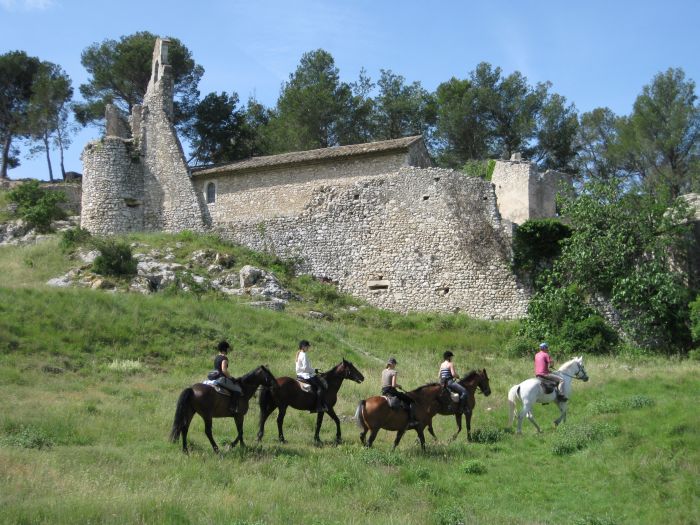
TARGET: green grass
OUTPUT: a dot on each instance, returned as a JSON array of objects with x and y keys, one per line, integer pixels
[{"x": 89, "y": 382}]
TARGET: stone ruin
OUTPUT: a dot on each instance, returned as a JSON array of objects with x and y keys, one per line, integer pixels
[{"x": 376, "y": 219}]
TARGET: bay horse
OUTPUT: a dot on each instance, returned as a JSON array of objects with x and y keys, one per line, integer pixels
[
  {"x": 374, "y": 413},
  {"x": 208, "y": 403},
  {"x": 531, "y": 391},
  {"x": 289, "y": 394},
  {"x": 473, "y": 380}
]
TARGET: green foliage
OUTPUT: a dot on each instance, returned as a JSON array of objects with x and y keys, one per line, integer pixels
[
  {"x": 521, "y": 346},
  {"x": 695, "y": 320},
  {"x": 488, "y": 436},
  {"x": 572, "y": 438},
  {"x": 36, "y": 206},
  {"x": 608, "y": 406},
  {"x": 74, "y": 237},
  {"x": 449, "y": 515},
  {"x": 115, "y": 258},
  {"x": 401, "y": 110},
  {"x": 591, "y": 335},
  {"x": 119, "y": 72},
  {"x": 26, "y": 437},
  {"x": 482, "y": 169},
  {"x": 537, "y": 242}
]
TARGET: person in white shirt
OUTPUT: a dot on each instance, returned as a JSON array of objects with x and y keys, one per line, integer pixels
[{"x": 307, "y": 374}]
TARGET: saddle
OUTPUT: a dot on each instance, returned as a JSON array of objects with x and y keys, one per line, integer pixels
[
  {"x": 224, "y": 386},
  {"x": 394, "y": 402},
  {"x": 548, "y": 386},
  {"x": 308, "y": 388}
]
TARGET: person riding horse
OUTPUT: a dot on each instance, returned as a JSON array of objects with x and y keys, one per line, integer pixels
[
  {"x": 389, "y": 388},
  {"x": 542, "y": 364},
  {"x": 223, "y": 377},
  {"x": 307, "y": 374},
  {"x": 448, "y": 378}
]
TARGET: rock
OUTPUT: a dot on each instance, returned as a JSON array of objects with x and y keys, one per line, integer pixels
[
  {"x": 61, "y": 282},
  {"x": 102, "y": 284},
  {"x": 203, "y": 257},
  {"x": 224, "y": 259},
  {"x": 316, "y": 315},
  {"x": 275, "y": 304},
  {"x": 249, "y": 275},
  {"x": 87, "y": 256},
  {"x": 215, "y": 268}
]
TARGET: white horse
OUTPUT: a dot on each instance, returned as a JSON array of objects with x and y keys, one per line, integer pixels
[{"x": 531, "y": 391}]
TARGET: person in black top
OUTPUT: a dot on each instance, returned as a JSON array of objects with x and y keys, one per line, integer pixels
[{"x": 224, "y": 376}]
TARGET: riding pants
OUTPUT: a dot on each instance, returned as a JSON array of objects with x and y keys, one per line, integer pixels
[{"x": 454, "y": 386}]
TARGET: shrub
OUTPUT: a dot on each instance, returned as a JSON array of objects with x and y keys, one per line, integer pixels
[
  {"x": 537, "y": 242},
  {"x": 37, "y": 206},
  {"x": 473, "y": 466},
  {"x": 695, "y": 320},
  {"x": 590, "y": 335},
  {"x": 28, "y": 437},
  {"x": 482, "y": 169},
  {"x": 577, "y": 437},
  {"x": 74, "y": 237},
  {"x": 115, "y": 258},
  {"x": 450, "y": 515},
  {"x": 520, "y": 346},
  {"x": 487, "y": 436}
]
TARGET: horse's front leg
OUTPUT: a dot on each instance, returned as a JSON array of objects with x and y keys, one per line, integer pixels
[
  {"x": 458, "y": 420},
  {"x": 562, "y": 413},
  {"x": 431, "y": 431},
  {"x": 238, "y": 418},
  {"x": 399, "y": 435},
  {"x": 531, "y": 418},
  {"x": 334, "y": 417},
  {"x": 207, "y": 431},
  {"x": 421, "y": 437},
  {"x": 282, "y": 410},
  {"x": 468, "y": 418},
  {"x": 317, "y": 434}
]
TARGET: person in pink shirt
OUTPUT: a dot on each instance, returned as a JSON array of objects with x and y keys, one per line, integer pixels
[{"x": 542, "y": 364}]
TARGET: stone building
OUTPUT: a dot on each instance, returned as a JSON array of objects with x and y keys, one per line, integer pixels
[{"x": 377, "y": 219}]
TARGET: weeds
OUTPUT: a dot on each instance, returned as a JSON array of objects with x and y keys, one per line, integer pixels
[
  {"x": 573, "y": 438},
  {"x": 27, "y": 437}
]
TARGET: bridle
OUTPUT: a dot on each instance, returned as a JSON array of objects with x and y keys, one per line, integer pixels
[{"x": 577, "y": 375}]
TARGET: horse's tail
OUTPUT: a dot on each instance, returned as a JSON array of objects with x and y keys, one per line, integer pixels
[
  {"x": 180, "y": 422},
  {"x": 265, "y": 400},
  {"x": 359, "y": 415},
  {"x": 513, "y": 396}
]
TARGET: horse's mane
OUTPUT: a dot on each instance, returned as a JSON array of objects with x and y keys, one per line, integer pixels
[
  {"x": 470, "y": 375},
  {"x": 562, "y": 367},
  {"x": 427, "y": 385},
  {"x": 247, "y": 376}
]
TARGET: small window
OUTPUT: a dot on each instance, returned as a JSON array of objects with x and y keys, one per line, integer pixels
[{"x": 211, "y": 193}]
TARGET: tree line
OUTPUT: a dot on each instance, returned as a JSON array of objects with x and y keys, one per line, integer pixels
[{"x": 486, "y": 114}]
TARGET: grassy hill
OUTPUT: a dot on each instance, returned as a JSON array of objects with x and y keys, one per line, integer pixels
[{"x": 89, "y": 381}]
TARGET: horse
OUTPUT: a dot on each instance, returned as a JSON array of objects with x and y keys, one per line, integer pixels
[
  {"x": 290, "y": 394},
  {"x": 207, "y": 402},
  {"x": 473, "y": 380},
  {"x": 531, "y": 391},
  {"x": 374, "y": 413}
]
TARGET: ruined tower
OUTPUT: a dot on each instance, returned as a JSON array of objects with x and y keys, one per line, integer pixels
[{"x": 136, "y": 177}]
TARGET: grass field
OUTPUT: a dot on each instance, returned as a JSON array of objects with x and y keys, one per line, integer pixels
[{"x": 89, "y": 381}]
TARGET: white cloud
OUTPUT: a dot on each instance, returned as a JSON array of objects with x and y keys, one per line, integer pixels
[{"x": 26, "y": 5}]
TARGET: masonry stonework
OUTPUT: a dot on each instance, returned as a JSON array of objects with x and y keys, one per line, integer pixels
[{"x": 377, "y": 218}]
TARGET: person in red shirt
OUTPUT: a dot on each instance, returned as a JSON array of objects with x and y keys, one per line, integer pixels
[{"x": 542, "y": 364}]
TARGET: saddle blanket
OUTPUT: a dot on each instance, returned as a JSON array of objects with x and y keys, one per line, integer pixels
[
  {"x": 393, "y": 402},
  {"x": 221, "y": 390},
  {"x": 306, "y": 387}
]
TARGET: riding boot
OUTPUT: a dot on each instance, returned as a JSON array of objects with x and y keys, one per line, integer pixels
[
  {"x": 560, "y": 395},
  {"x": 233, "y": 405}
]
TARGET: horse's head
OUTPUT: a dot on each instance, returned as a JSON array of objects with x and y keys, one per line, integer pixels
[
  {"x": 484, "y": 382},
  {"x": 265, "y": 376},
  {"x": 348, "y": 371},
  {"x": 574, "y": 368}
]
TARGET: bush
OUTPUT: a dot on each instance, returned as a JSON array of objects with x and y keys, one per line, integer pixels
[
  {"x": 577, "y": 437},
  {"x": 695, "y": 320},
  {"x": 520, "y": 346},
  {"x": 115, "y": 258},
  {"x": 487, "y": 436},
  {"x": 482, "y": 169},
  {"x": 36, "y": 206},
  {"x": 590, "y": 335},
  {"x": 537, "y": 242},
  {"x": 74, "y": 237},
  {"x": 27, "y": 437}
]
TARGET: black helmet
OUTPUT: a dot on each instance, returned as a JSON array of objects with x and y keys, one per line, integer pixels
[
  {"x": 391, "y": 361},
  {"x": 223, "y": 346},
  {"x": 304, "y": 344},
  {"x": 447, "y": 355}
]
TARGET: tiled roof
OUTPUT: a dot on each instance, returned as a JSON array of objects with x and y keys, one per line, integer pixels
[{"x": 297, "y": 157}]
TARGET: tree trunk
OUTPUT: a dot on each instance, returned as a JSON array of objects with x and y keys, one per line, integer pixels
[
  {"x": 60, "y": 149},
  {"x": 7, "y": 141},
  {"x": 48, "y": 156}
]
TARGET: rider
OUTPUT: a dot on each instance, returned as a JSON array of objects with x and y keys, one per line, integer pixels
[
  {"x": 389, "y": 388},
  {"x": 542, "y": 364},
  {"x": 307, "y": 374},
  {"x": 224, "y": 376},
  {"x": 448, "y": 378}
]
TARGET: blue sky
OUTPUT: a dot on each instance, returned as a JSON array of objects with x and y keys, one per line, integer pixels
[{"x": 595, "y": 53}]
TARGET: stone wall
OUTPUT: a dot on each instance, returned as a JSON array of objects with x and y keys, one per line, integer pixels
[
  {"x": 284, "y": 190},
  {"x": 112, "y": 187},
  {"x": 414, "y": 240}
]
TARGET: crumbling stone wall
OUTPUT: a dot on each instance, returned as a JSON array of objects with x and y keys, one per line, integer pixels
[
  {"x": 112, "y": 187},
  {"x": 418, "y": 239}
]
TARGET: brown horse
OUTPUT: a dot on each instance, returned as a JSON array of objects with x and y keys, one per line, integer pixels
[
  {"x": 473, "y": 380},
  {"x": 290, "y": 394},
  {"x": 207, "y": 402},
  {"x": 374, "y": 413}
]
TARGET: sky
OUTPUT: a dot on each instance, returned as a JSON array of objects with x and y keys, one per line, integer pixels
[{"x": 595, "y": 53}]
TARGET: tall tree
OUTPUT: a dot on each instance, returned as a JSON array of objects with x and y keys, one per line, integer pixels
[
  {"x": 311, "y": 105},
  {"x": 17, "y": 73},
  {"x": 356, "y": 120},
  {"x": 662, "y": 135},
  {"x": 597, "y": 145},
  {"x": 402, "y": 110},
  {"x": 48, "y": 112},
  {"x": 119, "y": 74},
  {"x": 556, "y": 133}
]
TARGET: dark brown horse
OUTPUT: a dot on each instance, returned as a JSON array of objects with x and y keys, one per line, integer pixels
[
  {"x": 373, "y": 414},
  {"x": 207, "y": 402},
  {"x": 290, "y": 394},
  {"x": 473, "y": 380}
]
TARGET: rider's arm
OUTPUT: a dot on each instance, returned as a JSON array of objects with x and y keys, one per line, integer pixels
[
  {"x": 393, "y": 381},
  {"x": 224, "y": 368},
  {"x": 452, "y": 369}
]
